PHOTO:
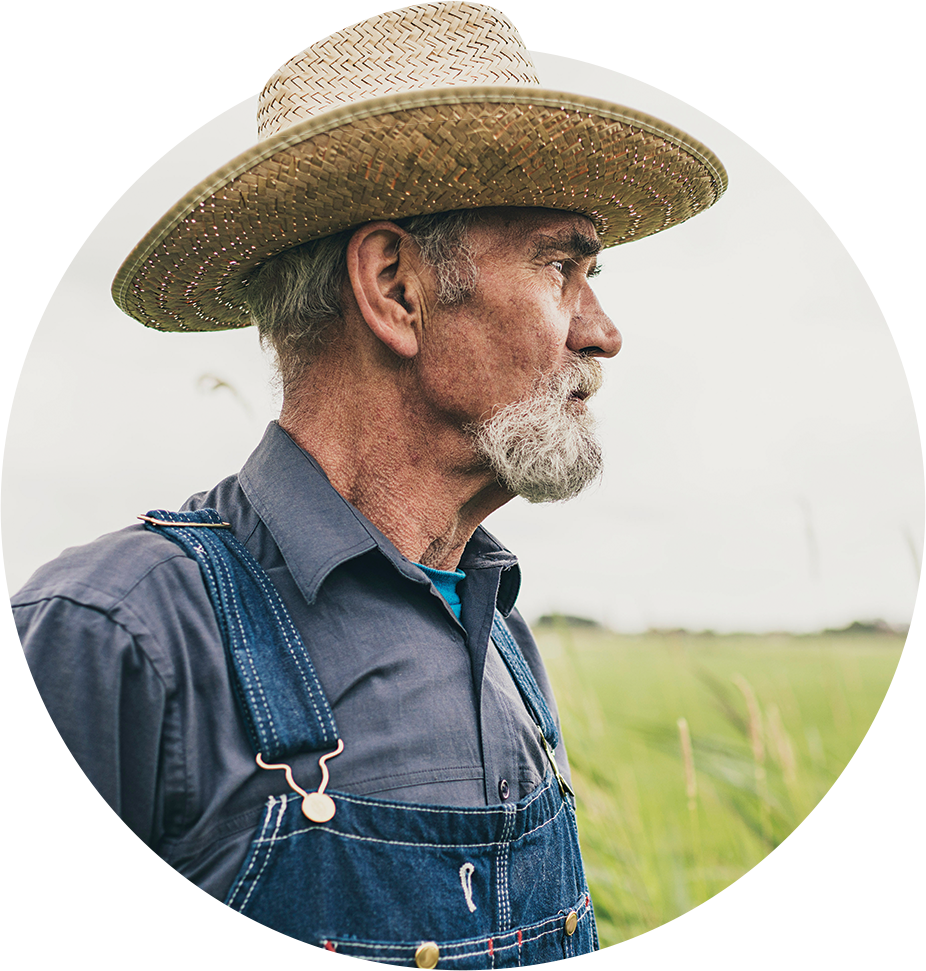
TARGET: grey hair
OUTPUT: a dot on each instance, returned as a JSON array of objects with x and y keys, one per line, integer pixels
[{"x": 295, "y": 297}]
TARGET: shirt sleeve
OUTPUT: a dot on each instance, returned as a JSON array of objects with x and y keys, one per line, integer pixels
[{"x": 81, "y": 714}]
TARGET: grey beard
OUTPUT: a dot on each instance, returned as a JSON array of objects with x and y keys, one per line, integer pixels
[{"x": 542, "y": 448}]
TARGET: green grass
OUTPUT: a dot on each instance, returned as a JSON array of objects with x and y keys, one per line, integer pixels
[{"x": 772, "y": 721}]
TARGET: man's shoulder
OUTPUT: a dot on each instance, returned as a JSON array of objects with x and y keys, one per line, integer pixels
[
  {"x": 131, "y": 562},
  {"x": 131, "y": 565},
  {"x": 131, "y": 600},
  {"x": 108, "y": 569}
]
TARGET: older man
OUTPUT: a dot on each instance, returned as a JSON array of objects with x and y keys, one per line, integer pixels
[{"x": 415, "y": 244}]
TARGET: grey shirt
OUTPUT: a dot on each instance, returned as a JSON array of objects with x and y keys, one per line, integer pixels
[{"x": 124, "y": 646}]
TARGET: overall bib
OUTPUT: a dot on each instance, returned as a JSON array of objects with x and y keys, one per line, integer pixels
[{"x": 399, "y": 883}]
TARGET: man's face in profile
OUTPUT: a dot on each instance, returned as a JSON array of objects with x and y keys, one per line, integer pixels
[{"x": 515, "y": 361}]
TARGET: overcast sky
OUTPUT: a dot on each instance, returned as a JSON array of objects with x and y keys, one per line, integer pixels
[{"x": 763, "y": 469}]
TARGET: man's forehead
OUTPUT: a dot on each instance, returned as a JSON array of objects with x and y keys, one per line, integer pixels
[{"x": 542, "y": 230}]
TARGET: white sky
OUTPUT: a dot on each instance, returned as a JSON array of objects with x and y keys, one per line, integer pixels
[{"x": 764, "y": 423}]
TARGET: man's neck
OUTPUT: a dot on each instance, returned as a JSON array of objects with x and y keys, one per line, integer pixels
[{"x": 416, "y": 479}]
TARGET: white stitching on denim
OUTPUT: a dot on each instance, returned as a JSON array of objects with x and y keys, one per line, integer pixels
[
  {"x": 224, "y": 581},
  {"x": 261, "y": 714},
  {"x": 499, "y": 871},
  {"x": 447, "y": 952},
  {"x": 466, "y": 882},
  {"x": 385, "y": 958},
  {"x": 240, "y": 908},
  {"x": 581, "y": 908},
  {"x": 373, "y": 839},
  {"x": 499, "y": 905},
  {"x": 284, "y": 622},
  {"x": 223, "y": 578},
  {"x": 255, "y": 681},
  {"x": 506, "y": 890}
]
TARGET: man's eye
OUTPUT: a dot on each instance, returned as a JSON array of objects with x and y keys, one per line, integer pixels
[{"x": 558, "y": 265}]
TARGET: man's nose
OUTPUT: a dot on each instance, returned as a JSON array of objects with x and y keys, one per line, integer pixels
[{"x": 592, "y": 331}]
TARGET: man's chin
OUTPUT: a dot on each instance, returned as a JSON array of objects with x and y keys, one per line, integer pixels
[
  {"x": 552, "y": 476},
  {"x": 555, "y": 491},
  {"x": 543, "y": 449}
]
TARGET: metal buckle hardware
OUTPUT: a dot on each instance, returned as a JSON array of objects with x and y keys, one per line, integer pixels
[
  {"x": 167, "y": 522},
  {"x": 317, "y": 806},
  {"x": 564, "y": 786}
]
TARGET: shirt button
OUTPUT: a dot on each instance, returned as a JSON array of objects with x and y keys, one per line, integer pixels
[{"x": 503, "y": 790}]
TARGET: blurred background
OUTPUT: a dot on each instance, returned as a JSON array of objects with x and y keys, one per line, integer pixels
[{"x": 763, "y": 422}]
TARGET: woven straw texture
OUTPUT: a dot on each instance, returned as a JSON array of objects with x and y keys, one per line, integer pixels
[
  {"x": 401, "y": 50},
  {"x": 406, "y": 151}
]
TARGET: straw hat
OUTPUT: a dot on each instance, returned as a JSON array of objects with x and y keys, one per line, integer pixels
[{"x": 425, "y": 109}]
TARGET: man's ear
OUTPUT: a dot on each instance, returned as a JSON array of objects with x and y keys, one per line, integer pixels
[{"x": 385, "y": 277}]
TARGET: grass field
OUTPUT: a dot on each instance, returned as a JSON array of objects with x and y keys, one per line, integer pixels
[{"x": 694, "y": 755}]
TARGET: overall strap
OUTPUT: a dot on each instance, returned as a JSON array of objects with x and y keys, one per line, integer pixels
[
  {"x": 279, "y": 694},
  {"x": 524, "y": 679}
]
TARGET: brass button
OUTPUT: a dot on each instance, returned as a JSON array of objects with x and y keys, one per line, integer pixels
[
  {"x": 427, "y": 955},
  {"x": 572, "y": 921}
]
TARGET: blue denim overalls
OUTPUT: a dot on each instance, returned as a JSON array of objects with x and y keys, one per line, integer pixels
[{"x": 400, "y": 883}]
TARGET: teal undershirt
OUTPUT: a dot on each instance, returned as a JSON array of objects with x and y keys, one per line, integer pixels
[{"x": 446, "y": 583}]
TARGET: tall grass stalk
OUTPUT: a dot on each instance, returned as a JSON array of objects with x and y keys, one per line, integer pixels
[{"x": 693, "y": 756}]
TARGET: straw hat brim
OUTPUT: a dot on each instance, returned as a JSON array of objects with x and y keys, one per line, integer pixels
[{"x": 408, "y": 154}]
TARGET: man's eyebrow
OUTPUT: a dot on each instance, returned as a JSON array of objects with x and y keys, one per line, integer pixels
[{"x": 571, "y": 243}]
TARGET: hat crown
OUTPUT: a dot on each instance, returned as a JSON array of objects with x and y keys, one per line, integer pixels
[{"x": 416, "y": 48}]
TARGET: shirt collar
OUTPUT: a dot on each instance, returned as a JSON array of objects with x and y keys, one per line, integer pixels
[{"x": 317, "y": 529}]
